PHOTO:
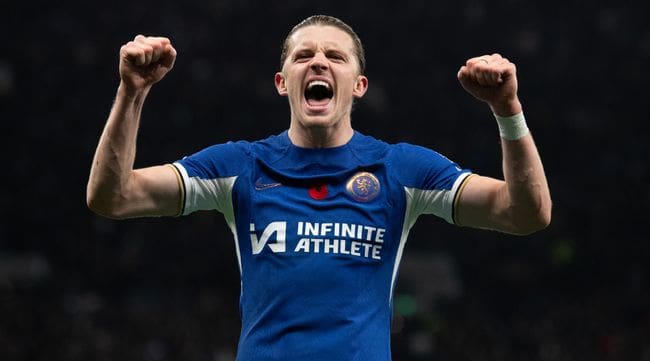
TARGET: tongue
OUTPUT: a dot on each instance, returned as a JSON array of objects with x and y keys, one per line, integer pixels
[{"x": 319, "y": 102}]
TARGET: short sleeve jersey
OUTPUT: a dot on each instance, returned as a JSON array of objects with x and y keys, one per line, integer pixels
[{"x": 319, "y": 235}]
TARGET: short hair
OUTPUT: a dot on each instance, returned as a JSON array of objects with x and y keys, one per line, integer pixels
[{"x": 327, "y": 20}]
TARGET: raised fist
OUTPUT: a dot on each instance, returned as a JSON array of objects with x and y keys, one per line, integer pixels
[
  {"x": 492, "y": 79},
  {"x": 145, "y": 60}
]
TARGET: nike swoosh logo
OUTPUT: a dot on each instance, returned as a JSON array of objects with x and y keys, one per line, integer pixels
[{"x": 262, "y": 186}]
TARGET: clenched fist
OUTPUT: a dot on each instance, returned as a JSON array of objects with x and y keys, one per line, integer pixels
[
  {"x": 145, "y": 60},
  {"x": 492, "y": 79}
]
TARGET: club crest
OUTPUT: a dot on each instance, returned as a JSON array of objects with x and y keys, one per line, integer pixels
[{"x": 363, "y": 187}]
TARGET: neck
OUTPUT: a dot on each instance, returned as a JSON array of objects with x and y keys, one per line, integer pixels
[{"x": 320, "y": 137}]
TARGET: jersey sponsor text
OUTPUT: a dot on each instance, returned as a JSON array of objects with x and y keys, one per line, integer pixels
[{"x": 328, "y": 238}]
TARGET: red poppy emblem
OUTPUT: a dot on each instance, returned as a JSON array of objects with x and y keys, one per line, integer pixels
[{"x": 318, "y": 191}]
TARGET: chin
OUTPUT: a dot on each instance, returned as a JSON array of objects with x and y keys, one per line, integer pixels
[{"x": 317, "y": 121}]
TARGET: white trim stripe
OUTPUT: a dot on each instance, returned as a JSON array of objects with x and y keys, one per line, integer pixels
[
  {"x": 233, "y": 228},
  {"x": 406, "y": 227}
]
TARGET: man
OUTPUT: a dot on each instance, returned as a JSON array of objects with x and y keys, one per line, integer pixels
[{"x": 320, "y": 213}]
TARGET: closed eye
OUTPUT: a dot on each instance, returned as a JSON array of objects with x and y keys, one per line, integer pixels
[
  {"x": 302, "y": 56},
  {"x": 336, "y": 56}
]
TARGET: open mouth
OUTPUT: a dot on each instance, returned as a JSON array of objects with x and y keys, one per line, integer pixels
[{"x": 318, "y": 93}]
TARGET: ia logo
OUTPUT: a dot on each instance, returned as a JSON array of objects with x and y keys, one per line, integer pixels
[{"x": 280, "y": 230}]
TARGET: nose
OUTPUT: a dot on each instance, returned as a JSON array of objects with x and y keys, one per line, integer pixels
[{"x": 319, "y": 62}]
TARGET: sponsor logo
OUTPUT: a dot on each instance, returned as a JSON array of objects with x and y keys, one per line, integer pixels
[
  {"x": 355, "y": 240},
  {"x": 280, "y": 230},
  {"x": 363, "y": 187}
]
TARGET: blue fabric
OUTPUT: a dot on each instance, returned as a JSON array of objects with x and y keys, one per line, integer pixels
[{"x": 317, "y": 284}]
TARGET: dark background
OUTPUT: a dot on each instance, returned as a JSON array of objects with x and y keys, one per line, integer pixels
[{"x": 75, "y": 286}]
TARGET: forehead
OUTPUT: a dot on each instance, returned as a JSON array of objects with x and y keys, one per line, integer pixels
[{"x": 321, "y": 35}]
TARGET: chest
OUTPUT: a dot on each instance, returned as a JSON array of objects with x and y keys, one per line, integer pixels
[{"x": 356, "y": 214}]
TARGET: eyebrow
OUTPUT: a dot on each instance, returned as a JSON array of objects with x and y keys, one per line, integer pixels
[{"x": 329, "y": 45}]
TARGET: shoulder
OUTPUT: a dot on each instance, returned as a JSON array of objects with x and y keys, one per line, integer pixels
[
  {"x": 218, "y": 160},
  {"x": 368, "y": 149},
  {"x": 233, "y": 157},
  {"x": 412, "y": 153},
  {"x": 421, "y": 167},
  {"x": 401, "y": 151},
  {"x": 271, "y": 148}
]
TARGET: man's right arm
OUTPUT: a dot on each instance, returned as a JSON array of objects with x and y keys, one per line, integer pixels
[{"x": 115, "y": 189}]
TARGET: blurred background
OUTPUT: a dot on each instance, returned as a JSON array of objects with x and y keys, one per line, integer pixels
[{"x": 75, "y": 286}]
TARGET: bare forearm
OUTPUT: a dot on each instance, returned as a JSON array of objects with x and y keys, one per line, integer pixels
[
  {"x": 526, "y": 194},
  {"x": 114, "y": 158},
  {"x": 526, "y": 185}
]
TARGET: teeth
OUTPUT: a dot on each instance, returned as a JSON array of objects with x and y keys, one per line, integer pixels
[{"x": 313, "y": 83}]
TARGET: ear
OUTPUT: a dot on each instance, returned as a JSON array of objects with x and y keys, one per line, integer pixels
[
  {"x": 360, "y": 87},
  {"x": 280, "y": 85}
]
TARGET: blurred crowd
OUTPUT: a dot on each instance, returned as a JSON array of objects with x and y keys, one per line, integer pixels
[{"x": 76, "y": 286}]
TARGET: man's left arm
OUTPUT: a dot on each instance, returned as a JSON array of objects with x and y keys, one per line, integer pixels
[{"x": 522, "y": 203}]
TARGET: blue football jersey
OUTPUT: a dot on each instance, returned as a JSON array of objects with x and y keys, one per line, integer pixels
[{"x": 319, "y": 235}]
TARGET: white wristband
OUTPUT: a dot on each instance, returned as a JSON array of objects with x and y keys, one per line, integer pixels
[{"x": 513, "y": 127}]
